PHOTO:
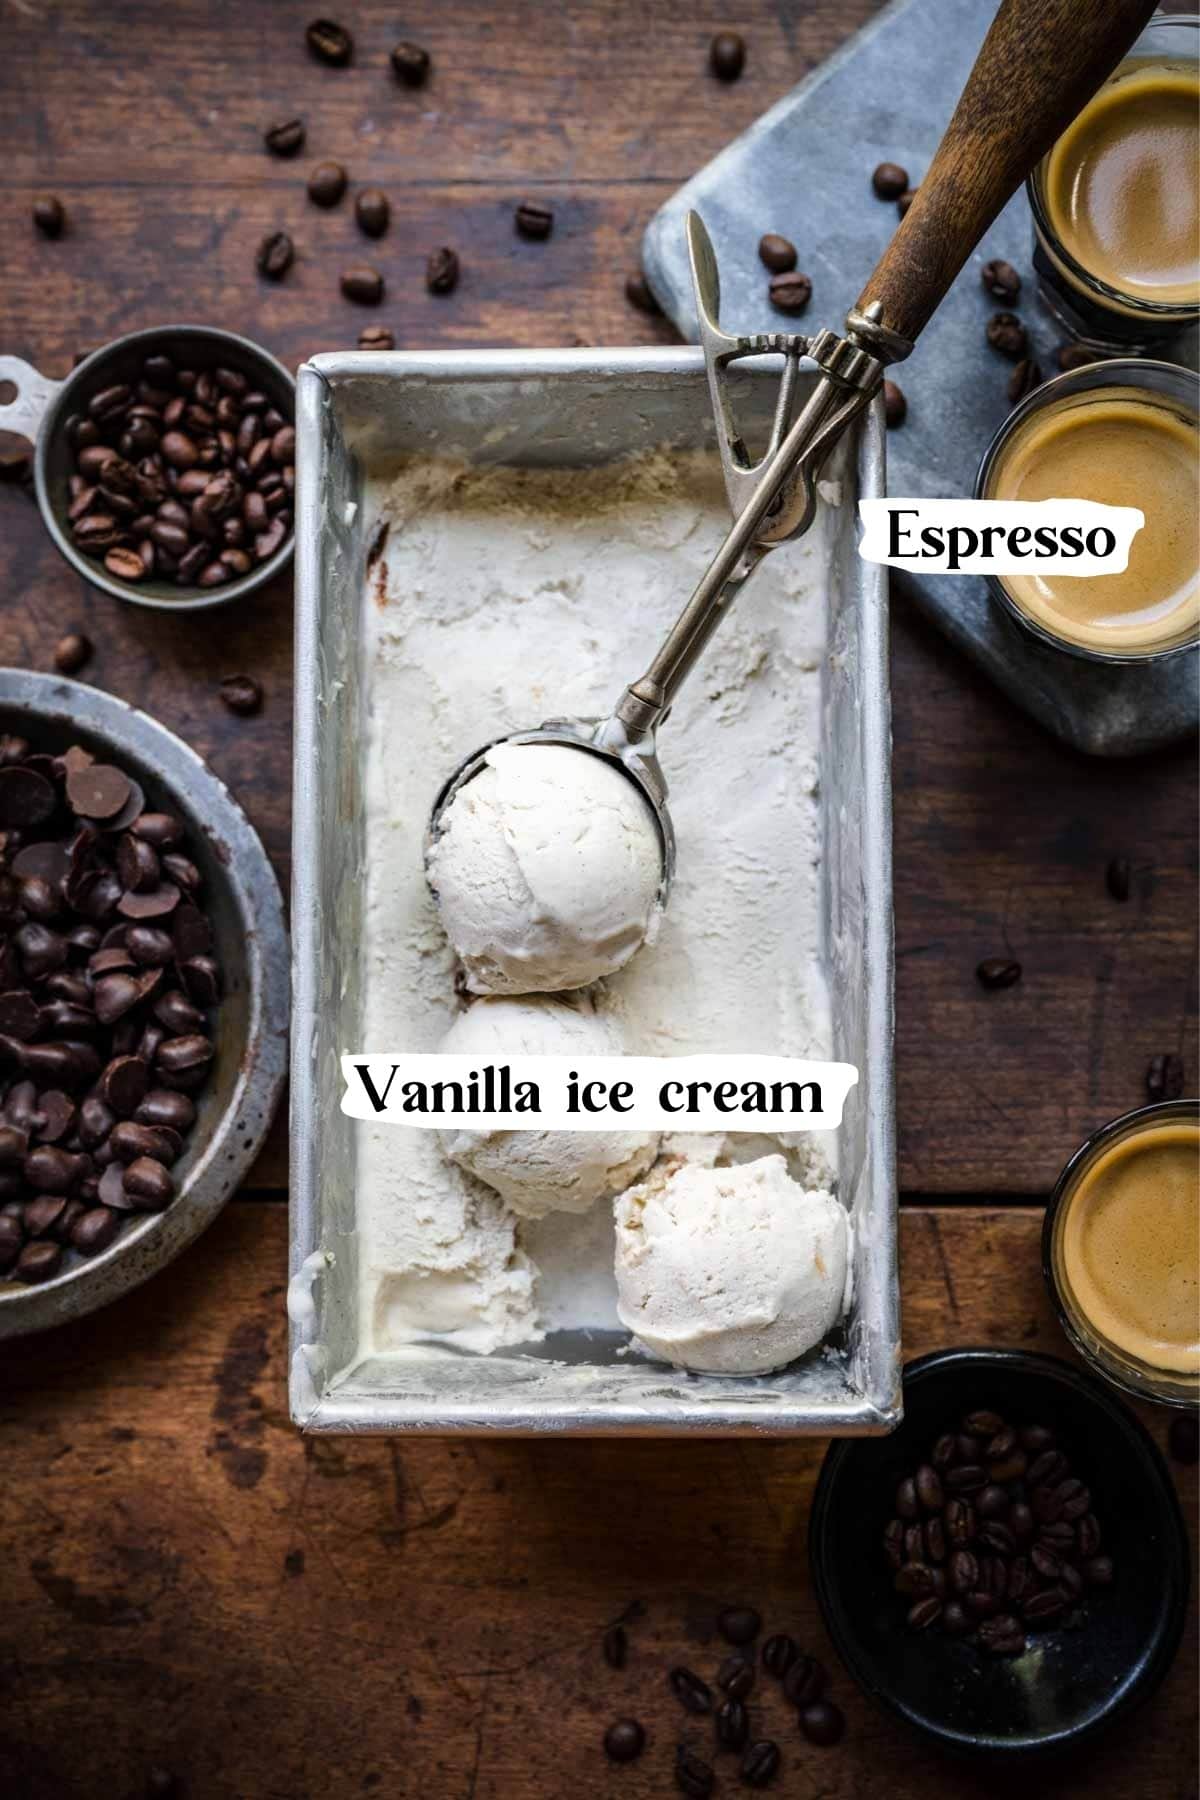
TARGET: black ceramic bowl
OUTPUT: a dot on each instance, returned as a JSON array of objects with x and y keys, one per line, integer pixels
[{"x": 1068, "y": 1684}]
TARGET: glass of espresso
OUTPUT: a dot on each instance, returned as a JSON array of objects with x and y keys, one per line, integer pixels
[
  {"x": 1125, "y": 433},
  {"x": 1116, "y": 202},
  {"x": 1121, "y": 1251}
]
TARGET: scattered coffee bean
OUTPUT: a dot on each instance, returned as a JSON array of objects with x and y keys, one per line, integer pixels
[
  {"x": 1076, "y": 356},
  {"x": 779, "y": 1653},
  {"x": 72, "y": 652},
  {"x": 1026, "y": 376},
  {"x": 39, "y": 1261},
  {"x": 760, "y": 1764},
  {"x": 694, "y": 1695},
  {"x": 804, "y": 1681},
  {"x": 442, "y": 270},
  {"x": 693, "y": 1776},
  {"x": 890, "y": 181},
  {"x": 372, "y": 211},
  {"x": 823, "y": 1723},
  {"x": 1118, "y": 877},
  {"x": 735, "y": 1676},
  {"x": 615, "y": 1645},
  {"x": 905, "y": 200},
  {"x": 777, "y": 253},
  {"x": 1006, "y": 333},
  {"x": 49, "y": 215},
  {"x": 895, "y": 406},
  {"x": 1183, "y": 1441},
  {"x": 998, "y": 972},
  {"x": 790, "y": 292},
  {"x": 276, "y": 254},
  {"x": 739, "y": 1624},
  {"x": 1000, "y": 280},
  {"x": 411, "y": 64},
  {"x": 327, "y": 184},
  {"x": 732, "y": 1724},
  {"x": 639, "y": 293},
  {"x": 727, "y": 55},
  {"x": 286, "y": 139},
  {"x": 533, "y": 220},
  {"x": 125, "y": 563},
  {"x": 624, "y": 1741},
  {"x": 376, "y": 337},
  {"x": 1165, "y": 1077},
  {"x": 329, "y": 42},
  {"x": 242, "y": 694},
  {"x": 363, "y": 285}
]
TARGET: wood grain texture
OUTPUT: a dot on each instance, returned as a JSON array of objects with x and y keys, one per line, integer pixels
[
  {"x": 188, "y": 1582},
  {"x": 151, "y": 133}
]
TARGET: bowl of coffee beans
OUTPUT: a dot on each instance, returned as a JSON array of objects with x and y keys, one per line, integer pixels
[
  {"x": 1008, "y": 1571},
  {"x": 165, "y": 464},
  {"x": 143, "y": 998}
]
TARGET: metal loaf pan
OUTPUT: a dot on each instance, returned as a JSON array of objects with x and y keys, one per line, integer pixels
[{"x": 562, "y": 408}]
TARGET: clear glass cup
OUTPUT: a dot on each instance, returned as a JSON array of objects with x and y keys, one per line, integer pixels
[
  {"x": 1086, "y": 306},
  {"x": 1179, "y": 389},
  {"x": 1111, "y": 1360}
]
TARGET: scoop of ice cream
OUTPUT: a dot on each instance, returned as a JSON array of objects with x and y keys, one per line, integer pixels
[
  {"x": 731, "y": 1271},
  {"x": 536, "y": 1172},
  {"x": 546, "y": 870}
]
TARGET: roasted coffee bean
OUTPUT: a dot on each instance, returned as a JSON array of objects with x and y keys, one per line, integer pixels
[
  {"x": 805, "y": 1681},
  {"x": 760, "y": 1764},
  {"x": 790, "y": 292},
  {"x": 372, "y": 211},
  {"x": 129, "y": 1140},
  {"x": 74, "y": 650},
  {"x": 442, "y": 270},
  {"x": 822, "y": 1723},
  {"x": 1002, "y": 1636},
  {"x": 1059, "y": 1536},
  {"x": 889, "y": 180},
  {"x": 905, "y": 200},
  {"x": 963, "y": 1569},
  {"x": 40, "y": 1216},
  {"x": 914, "y": 1544},
  {"x": 981, "y": 1603},
  {"x": 1165, "y": 1077},
  {"x": 983, "y": 1424},
  {"x": 1000, "y": 280},
  {"x": 161, "y": 829},
  {"x": 935, "y": 1540},
  {"x": 1036, "y": 1439},
  {"x": 955, "y": 1619},
  {"x": 533, "y": 220},
  {"x": 95, "y": 1230},
  {"x": 286, "y": 139},
  {"x": 693, "y": 1776},
  {"x": 1026, "y": 376},
  {"x": 329, "y": 42},
  {"x": 149, "y": 1183},
  {"x": 929, "y": 1488},
  {"x": 735, "y": 1676},
  {"x": 780, "y": 1652},
  {"x": 362, "y": 284},
  {"x": 145, "y": 945},
  {"x": 14, "y": 1142},
  {"x": 924, "y": 1613},
  {"x": 201, "y": 979},
  {"x": 1006, "y": 333},
  {"x": 914, "y": 1578},
  {"x": 12, "y": 1236},
  {"x": 966, "y": 1478},
  {"x": 694, "y": 1695},
  {"x": 777, "y": 253},
  {"x": 49, "y": 1170},
  {"x": 1074, "y": 1497},
  {"x": 242, "y": 694},
  {"x": 376, "y": 337},
  {"x": 624, "y": 1740},
  {"x": 1183, "y": 1442},
  {"x": 1076, "y": 356},
  {"x": 727, "y": 55},
  {"x": 1010, "y": 1470},
  {"x": 958, "y": 1517},
  {"x": 276, "y": 254},
  {"x": 1049, "y": 1467},
  {"x": 998, "y": 972},
  {"x": 327, "y": 184},
  {"x": 49, "y": 215},
  {"x": 991, "y": 1502},
  {"x": 411, "y": 63},
  {"x": 906, "y": 1499},
  {"x": 893, "y": 1543},
  {"x": 1046, "y": 1561},
  {"x": 1021, "y": 1521},
  {"x": 1048, "y": 1603},
  {"x": 38, "y": 1262},
  {"x": 995, "y": 1535},
  {"x": 895, "y": 405},
  {"x": 739, "y": 1624},
  {"x": 732, "y": 1724}
]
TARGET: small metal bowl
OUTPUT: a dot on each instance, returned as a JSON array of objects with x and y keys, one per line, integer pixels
[
  {"x": 41, "y": 408},
  {"x": 1068, "y": 1686},
  {"x": 235, "y": 1110}
]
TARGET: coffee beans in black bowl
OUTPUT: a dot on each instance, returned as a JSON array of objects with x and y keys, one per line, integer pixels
[
  {"x": 165, "y": 467},
  {"x": 1048, "y": 1676}
]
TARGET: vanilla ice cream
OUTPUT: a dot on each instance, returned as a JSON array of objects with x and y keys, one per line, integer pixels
[
  {"x": 546, "y": 870},
  {"x": 536, "y": 1172},
  {"x": 729, "y": 1271}
]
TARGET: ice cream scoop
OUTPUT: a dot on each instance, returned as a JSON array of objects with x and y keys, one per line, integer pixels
[
  {"x": 536, "y": 1172},
  {"x": 729, "y": 1271},
  {"x": 547, "y": 870}
]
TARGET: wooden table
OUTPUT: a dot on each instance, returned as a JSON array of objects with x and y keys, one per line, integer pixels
[{"x": 186, "y": 1582}]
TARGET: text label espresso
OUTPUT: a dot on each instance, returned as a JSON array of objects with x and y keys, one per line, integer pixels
[
  {"x": 591, "y": 1093},
  {"x": 999, "y": 537}
]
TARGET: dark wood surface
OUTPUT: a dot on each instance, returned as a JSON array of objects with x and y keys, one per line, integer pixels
[{"x": 186, "y": 1581}]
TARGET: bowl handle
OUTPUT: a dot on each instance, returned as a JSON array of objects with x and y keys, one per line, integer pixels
[{"x": 34, "y": 395}]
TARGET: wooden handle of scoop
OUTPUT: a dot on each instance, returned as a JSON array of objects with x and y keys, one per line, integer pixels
[{"x": 1040, "y": 63}]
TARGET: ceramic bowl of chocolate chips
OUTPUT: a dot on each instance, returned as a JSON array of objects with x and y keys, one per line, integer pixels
[
  {"x": 1008, "y": 1571},
  {"x": 143, "y": 998}
]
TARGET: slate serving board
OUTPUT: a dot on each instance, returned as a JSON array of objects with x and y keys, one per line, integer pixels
[{"x": 804, "y": 169}]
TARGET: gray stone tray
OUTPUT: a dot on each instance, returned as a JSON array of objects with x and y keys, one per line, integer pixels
[{"x": 804, "y": 169}]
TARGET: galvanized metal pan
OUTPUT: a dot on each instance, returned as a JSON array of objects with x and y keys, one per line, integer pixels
[
  {"x": 569, "y": 408},
  {"x": 246, "y": 909}
]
